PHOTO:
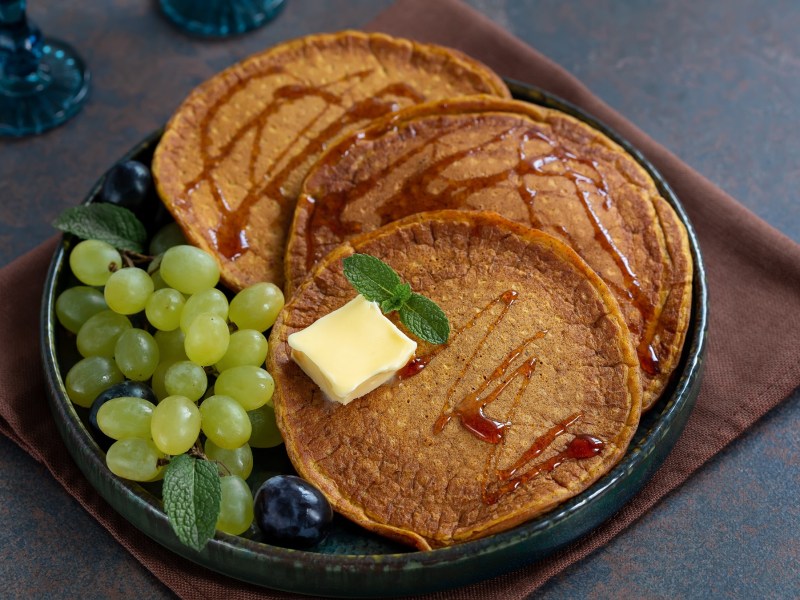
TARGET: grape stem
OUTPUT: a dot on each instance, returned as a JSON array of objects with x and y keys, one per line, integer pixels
[
  {"x": 133, "y": 258},
  {"x": 222, "y": 467},
  {"x": 197, "y": 451}
]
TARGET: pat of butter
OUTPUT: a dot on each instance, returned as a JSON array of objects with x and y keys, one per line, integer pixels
[{"x": 351, "y": 351}]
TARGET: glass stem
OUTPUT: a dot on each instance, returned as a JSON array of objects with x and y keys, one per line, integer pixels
[{"x": 20, "y": 49}]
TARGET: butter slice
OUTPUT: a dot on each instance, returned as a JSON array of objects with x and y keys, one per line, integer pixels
[{"x": 351, "y": 351}]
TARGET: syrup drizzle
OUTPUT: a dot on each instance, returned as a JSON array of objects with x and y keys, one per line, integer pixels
[
  {"x": 507, "y": 299},
  {"x": 582, "y": 446},
  {"x": 423, "y": 190},
  {"x": 470, "y": 409},
  {"x": 413, "y": 196},
  {"x": 230, "y": 237},
  {"x": 414, "y": 366},
  {"x": 539, "y": 445}
]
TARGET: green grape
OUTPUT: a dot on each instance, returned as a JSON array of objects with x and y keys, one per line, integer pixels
[
  {"x": 250, "y": 386},
  {"x": 225, "y": 422},
  {"x": 175, "y": 425},
  {"x": 136, "y": 353},
  {"x": 127, "y": 290},
  {"x": 257, "y": 307},
  {"x": 247, "y": 347},
  {"x": 158, "y": 281},
  {"x": 236, "y": 505},
  {"x": 75, "y": 305},
  {"x": 165, "y": 238},
  {"x": 170, "y": 345},
  {"x": 189, "y": 269},
  {"x": 238, "y": 461},
  {"x": 208, "y": 301},
  {"x": 125, "y": 417},
  {"x": 185, "y": 378},
  {"x": 265, "y": 432},
  {"x": 207, "y": 339},
  {"x": 135, "y": 459},
  {"x": 90, "y": 376},
  {"x": 93, "y": 261},
  {"x": 163, "y": 309},
  {"x": 99, "y": 334}
]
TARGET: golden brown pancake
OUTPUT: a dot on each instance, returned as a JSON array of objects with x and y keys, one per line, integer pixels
[
  {"x": 536, "y": 166},
  {"x": 232, "y": 158},
  {"x": 539, "y": 365}
]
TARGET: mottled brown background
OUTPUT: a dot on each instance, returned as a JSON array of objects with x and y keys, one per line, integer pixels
[{"x": 716, "y": 82}]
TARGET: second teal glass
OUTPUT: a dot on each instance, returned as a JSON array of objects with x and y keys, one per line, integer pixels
[{"x": 220, "y": 18}]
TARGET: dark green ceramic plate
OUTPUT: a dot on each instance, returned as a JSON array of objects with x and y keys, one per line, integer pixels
[{"x": 353, "y": 562}]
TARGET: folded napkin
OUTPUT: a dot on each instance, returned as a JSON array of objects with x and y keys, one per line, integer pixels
[{"x": 754, "y": 279}]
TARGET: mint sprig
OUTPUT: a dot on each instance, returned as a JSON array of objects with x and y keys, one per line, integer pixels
[
  {"x": 402, "y": 293},
  {"x": 109, "y": 223},
  {"x": 192, "y": 497},
  {"x": 377, "y": 282}
]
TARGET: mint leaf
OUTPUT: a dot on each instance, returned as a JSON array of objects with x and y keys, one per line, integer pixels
[
  {"x": 191, "y": 499},
  {"x": 372, "y": 278},
  {"x": 105, "y": 222},
  {"x": 400, "y": 295},
  {"x": 425, "y": 319}
]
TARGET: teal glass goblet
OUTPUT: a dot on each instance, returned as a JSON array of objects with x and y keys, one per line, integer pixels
[
  {"x": 220, "y": 18},
  {"x": 43, "y": 82}
]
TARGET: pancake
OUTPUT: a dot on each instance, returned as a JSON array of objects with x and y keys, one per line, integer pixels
[
  {"x": 536, "y": 166},
  {"x": 231, "y": 160},
  {"x": 539, "y": 358}
]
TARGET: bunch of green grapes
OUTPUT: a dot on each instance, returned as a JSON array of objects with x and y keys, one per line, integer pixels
[{"x": 200, "y": 358}]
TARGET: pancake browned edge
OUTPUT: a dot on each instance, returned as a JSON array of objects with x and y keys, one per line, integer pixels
[
  {"x": 232, "y": 158},
  {"x": 534, "y": 165},
  {"x": 537, "y": 341}
]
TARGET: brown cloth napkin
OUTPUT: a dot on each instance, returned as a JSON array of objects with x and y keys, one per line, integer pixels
[{"x": 753, "y": 356}]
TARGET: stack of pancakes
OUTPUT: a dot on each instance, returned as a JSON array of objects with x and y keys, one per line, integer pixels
[{"x": 566, "y": 277}]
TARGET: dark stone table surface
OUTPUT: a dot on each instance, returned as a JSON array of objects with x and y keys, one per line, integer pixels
[{"x": 716, "y": 82}]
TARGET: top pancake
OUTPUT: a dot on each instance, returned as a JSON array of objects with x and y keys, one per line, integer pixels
[
  {"x": 536, "y": 166},
  {"x": 231, "y": 160},
  {"x": 537, "y": 343}
]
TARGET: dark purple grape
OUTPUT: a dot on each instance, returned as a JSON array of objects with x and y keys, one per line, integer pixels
[
  {"x": 291, "y": 512},
  {"x": 135, "y": 389},
  {"x": 127, "y": 184}
]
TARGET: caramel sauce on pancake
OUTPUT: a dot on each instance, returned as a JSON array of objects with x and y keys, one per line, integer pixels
[
  {"x": 534, "y": 165},
  {"x": 534, "y": 397},
  {"x": 231, "y": 160},
  {"x": 470, "y": 410}
]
